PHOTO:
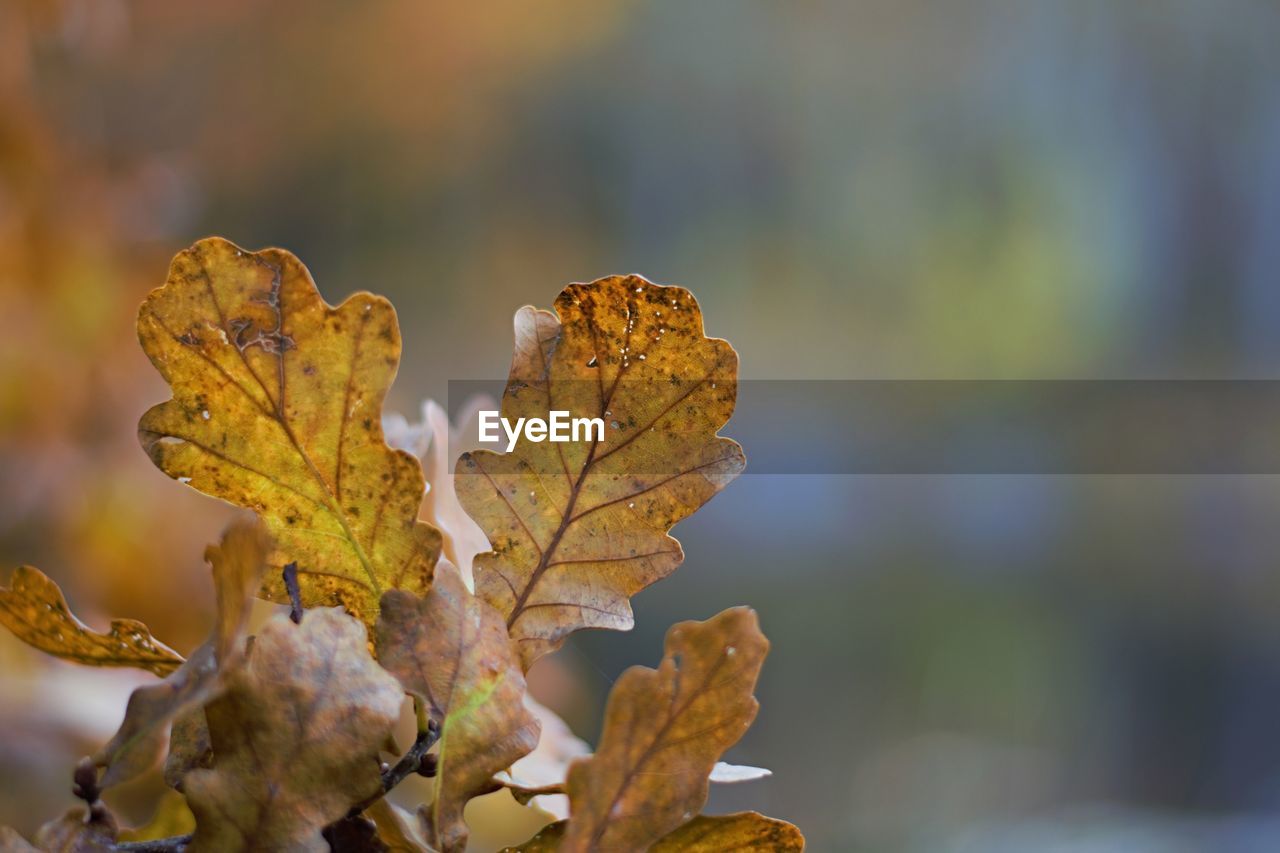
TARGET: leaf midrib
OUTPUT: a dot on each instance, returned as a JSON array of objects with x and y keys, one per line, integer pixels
[{"x": 330, "y": 498}]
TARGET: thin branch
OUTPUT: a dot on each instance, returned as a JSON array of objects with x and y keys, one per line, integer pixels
[
  {"x": 295, "y": 594},
  {"x": 525, "y": 793},
  {"x": 416, "y": 760}
]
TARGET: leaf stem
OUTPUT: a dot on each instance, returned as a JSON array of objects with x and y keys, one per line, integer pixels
[
  {"x": 416, "y": 760},
  {"x": 290, "y": 574}
]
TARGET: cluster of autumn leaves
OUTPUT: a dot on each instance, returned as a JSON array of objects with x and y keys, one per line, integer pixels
[{"x": 276, "y": 741}]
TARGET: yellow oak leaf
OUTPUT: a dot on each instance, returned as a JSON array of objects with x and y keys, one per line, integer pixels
[
  {"x": 664, "y": 730},
  {"x": 452, "y": 650},
  {"x": 295, "y": 737},
  {"x": 547, "y": 840},
  {"x": 171, "y": 818},
  {"x": 237, "y": 564},
  {"x": 579, "y": 527},
  {"x": 277, "y": 400},
  {"x": 741, "y": 831},
  {"x": 437, "y": 444},
  {"x": 34, "y": 609}
]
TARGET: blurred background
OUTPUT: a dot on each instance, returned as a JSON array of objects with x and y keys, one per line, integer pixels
[{"x": 1025, "y": 189}]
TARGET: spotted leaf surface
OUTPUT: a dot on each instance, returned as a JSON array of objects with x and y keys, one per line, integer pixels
[
  {"x": 276, "y": 407},
  {"x": 579, "y": 527},
  {"x": 34, "y": 609}
]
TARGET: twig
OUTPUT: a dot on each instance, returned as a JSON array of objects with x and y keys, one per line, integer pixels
[
  {"x": 295, "y": 594},
  {"x": 416, "y": 760},
  {"x": 524, "y": 793}
]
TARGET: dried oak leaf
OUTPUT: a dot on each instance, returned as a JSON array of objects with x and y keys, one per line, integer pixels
[
  {"x": 741, "y": 831},
  {"x": 579, "y": 527},
  {"x": 452, "y": 650},
  {"x": 295, "y": 737},
  {"x": 398, "y": 830},
  {"x": 744, "y": 831},
  {"x": 276, "y": 406},
  {"x": 437, "y": 444},
  {"x": 80, "y": 830},
  {"x": 171, "y": 818},
  {"x": 237, "y": 564},
  {"x": 34, "y": 609},
  {"x": 543, "y": 784},
  {"x": 188, "y": 746},
  {"x": 664, "y": 729}
]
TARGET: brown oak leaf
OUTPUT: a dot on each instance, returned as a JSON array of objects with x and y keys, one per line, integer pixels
[
  {"x": 579, "y": 527},
  {"x": 277, "y": 400},
  {"x": 295, "y": 737},
  {"x": 744, "y": 831},
  {"x": 237, "y": 564},
  {"x": 741, "y": 831},
  {"x": 452, "y": 650},
  {"x": 80, "y": 830},
  {"x": 664, "y": 730}
]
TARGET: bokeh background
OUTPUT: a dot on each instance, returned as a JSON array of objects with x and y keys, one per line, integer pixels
[{"x": 1025, "y": 189}]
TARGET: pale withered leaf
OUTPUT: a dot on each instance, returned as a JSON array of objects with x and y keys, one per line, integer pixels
[
  {"x": 744, "y": 831},
  {"x": 398, "y": 830},
  {"x": 295, "y": 737},
  {"x": 452, "y": 650},
  {"x": 237, "y": 564},
  {"x": 437, "y": 444}
]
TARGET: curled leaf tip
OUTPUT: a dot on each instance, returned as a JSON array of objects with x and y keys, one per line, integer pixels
[{"x": 35, "y": 610}]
